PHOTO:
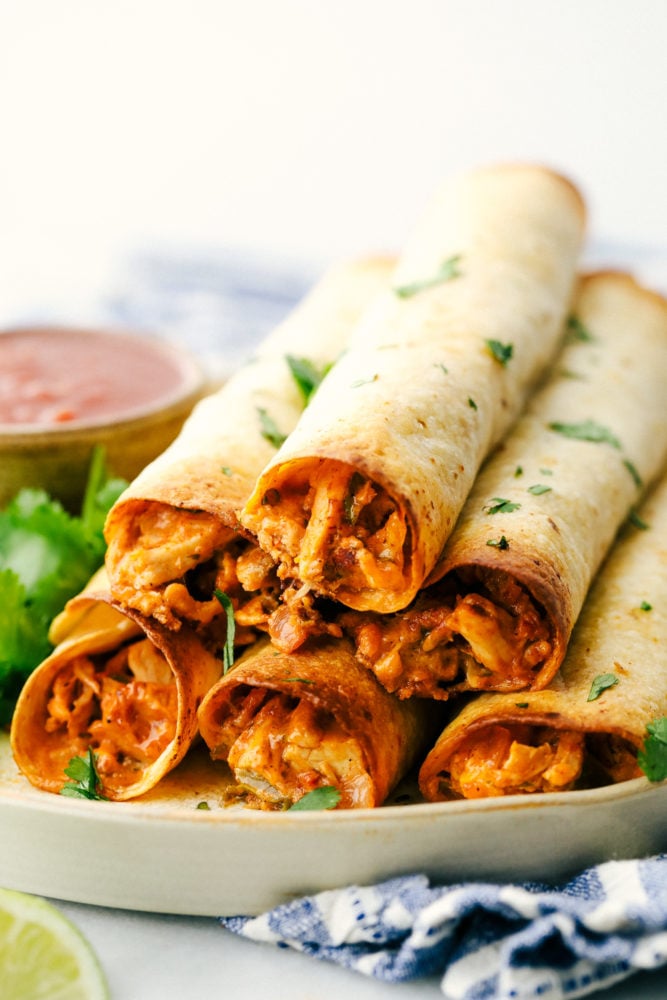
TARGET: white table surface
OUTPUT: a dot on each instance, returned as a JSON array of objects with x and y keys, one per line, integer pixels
[
  {"x": 301, "y": 130},
  {"x": 154, "y": 957}
]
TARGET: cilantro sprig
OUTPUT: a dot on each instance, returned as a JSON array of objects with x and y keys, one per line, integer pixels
[
  {"x": 586, "y": 430},
  {"x": 306, "y": 375},
  {"x": 47, "y": 555},
  {"x": 652, "y": 758},
  {"x": 85, "y": 783},
  {"x": 326, "y": 797},
  {"x": 269, "y": 428},
  {"x": 228, "y": 648},
  {"x": 448, "y": 269}
]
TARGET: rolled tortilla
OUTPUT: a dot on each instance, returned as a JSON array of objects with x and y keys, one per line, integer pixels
[
  {"x": 588, "y": 725},
  {"x": 173, "y": 536},
  {"x": 360, "y": 499},
  {"x": 542, "y": 513},
  {"x": 289, "y": 724},
  {"x": 118, "y": 684}
]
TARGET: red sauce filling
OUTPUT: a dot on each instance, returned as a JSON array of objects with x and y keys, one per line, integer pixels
[{"x": 57, "y": 376}]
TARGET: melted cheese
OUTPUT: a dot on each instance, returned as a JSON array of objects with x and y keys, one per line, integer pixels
[
  {"x": 508, "y": 760},
  {"x": 124, "y": 707},
  {"x": 288, "y": 748}
]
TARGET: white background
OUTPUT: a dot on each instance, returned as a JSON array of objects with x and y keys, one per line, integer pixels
[
  {"x": 308, "y": 127},
  {"x": 303, "y": 130}
]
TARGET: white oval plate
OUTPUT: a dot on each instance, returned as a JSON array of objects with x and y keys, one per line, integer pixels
[{"x": 163, "y": 854}]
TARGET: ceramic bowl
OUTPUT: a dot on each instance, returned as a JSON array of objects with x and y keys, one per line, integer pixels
[{"x": 47, "y": 438}]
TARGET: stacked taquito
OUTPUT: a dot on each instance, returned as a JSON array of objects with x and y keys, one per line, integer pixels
[
  {"x": 542, "y": 513},
  {"x": 174, "y": 537},
  {"x": 136, "y": 654},
  {"x": 361, "y": 498},
  {"x": 118, "y": 684},
  {"x": 288, "y": 724},
  {"x": 588, "y": 727}
]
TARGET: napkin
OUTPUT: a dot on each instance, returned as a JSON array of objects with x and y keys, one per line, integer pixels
[{"x": 486, "y": 939}]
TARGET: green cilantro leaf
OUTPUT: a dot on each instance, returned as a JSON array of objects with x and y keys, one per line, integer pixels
[
  {"x": 85, "y": 783},
  {"x": 228, "y": 649},
  {"x": 47, "y": 555},
  {"x": 269, "y": 429},
  {"x": 632, "y": 469},
  {"x": 652, "y": 758},
  {"x": 471, "y": 403},
  {"x": 645, "y": 606},
  {"x": 636, "y": 521},
  {"x": 576, "y": 331},
  {"x": 498, "y": 543},
  {"x": 326, "y": 797},
  {"x": 306, "y": 375},
  {"x": 586, "y": 430},
  {"x": 499, "y": 505},
  {"x": 538, "y": 489},
  {"x": 501, "y": 352},
  {"x": 448, "y": 269},
  {"x": 600, "y": 684}
]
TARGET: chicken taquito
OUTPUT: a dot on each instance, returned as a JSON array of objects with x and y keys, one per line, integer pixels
[
  {"x": 590, "y": 725},
  {"x": 360, "y": 499},
  {"x": 542, "y": 513},
  {"x": 289, "y": 724},
  {"x": 117, "y": 684},
  {"x": 174, "y": 541}
]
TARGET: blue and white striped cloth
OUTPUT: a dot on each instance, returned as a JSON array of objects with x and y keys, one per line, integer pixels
[{"x": 486, "y": 940}]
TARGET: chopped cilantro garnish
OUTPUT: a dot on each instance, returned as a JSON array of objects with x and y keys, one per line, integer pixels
[
  {"x": 632, "y": 469},
  {"x": 85, "y": 783},
  {"x": 204, "y": 806},
  {"x": 498, "y": 543},
  {"x": 228, "y": 649},
  {"x": 472, "y": 404},
  {"x": 600, "y": 684},
  {"x": 46, "y": 556},
  {"x": 501, "y": 352},
  {"x": 499, "y": 505},
  {"x": 586, "y": 430},
  {"x": 645, "y": 606},
  {"x": 269, "y": 429},
  {"x": 518, "y": 471},
  {"x": 448, "y": 269},
  {"x": 306, "y": 375},
  {"x": 577, "y": 331},
  {"x": 636, "y": 521},
  {"x": 226, "y": 471},
  {"x": 326, "y": 797},
  {"x": 538, "y": 489},
  {"x": 652, "y": 758}
]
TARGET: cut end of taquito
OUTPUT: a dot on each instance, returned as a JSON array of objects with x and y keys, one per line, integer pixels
[
  {"x": 519, "y": 751},
  {"x": 118, "y": 685},
  {"x": 339, "y": 531},
  {"x": 288, "y": 724}
]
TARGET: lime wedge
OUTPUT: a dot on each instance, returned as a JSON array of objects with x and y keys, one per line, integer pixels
[{"x": 43, "y": 956}]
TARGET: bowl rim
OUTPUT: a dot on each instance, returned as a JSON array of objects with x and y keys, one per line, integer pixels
[{"x": 189, "y": 388}]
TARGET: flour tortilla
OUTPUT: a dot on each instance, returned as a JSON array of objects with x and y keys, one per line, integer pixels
[
  {"x": 92, "y": 625},
  {"x": 419, "y": 398},
  {"x": 622, "y": 632}
]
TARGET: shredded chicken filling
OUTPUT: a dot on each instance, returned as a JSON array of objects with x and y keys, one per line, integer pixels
[
  {"x": 486, "y": 635},
  {"x": 339, "y": 530},
  {"x": 281, "y": 748},
  {"x": 168, "y": 564},
  {"x": 514, "y": 759},
  {"x": 124, "y": 706}
]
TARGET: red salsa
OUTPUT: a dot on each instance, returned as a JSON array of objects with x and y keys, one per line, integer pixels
[{"x": 58, "y": 375}]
